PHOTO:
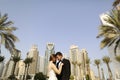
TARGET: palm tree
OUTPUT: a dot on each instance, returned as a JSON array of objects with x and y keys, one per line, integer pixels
[
  {"x": 6, "y": 32},
  {"x": 27, "y": 62},
  {"x": 103, "y": 77},
  {"x": 110, "y": 29},
  {"x": 97, "y": 63},
  {"x": 15, "y": 59},
  {"x": 88, "y": 67},
  {"x": 106, "y": 60},
  {"x": 118, "y": 58}
]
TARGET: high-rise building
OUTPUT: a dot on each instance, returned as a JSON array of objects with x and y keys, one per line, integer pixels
[
  {"x": 75, "y": 60},
  {"x": 33, "y": 53},
  {"x": 8, "y": 70},
  {"x": 20, "y": 69},
  {"x": 9, "y": 67},
  {"x": 49, "y": 50},
  {"x": 79, "y": 66},
  {"x": 41, "y": 66},
  {"x": 93, "y": 75},
  {"x": 117, "y": 75},
  {"x": 17, "y": 64},
  {"x": 85, "y": 68}
]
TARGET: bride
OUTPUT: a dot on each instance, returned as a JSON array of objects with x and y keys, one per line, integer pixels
[{"x": 52, "y": 69}]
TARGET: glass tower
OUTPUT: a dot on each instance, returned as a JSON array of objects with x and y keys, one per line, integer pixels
[{"x": 49, "y": 50}]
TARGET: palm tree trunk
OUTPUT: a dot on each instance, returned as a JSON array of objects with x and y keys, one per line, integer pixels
[
  {"x": 27, "y": 71},
  {"x": 99, "y": 72},
  {"x": 103, "y": 77},
  {"x": 109, "y": 71}
]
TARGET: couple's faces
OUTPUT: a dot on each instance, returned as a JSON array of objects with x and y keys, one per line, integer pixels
[{"x": 58, "y": 57}]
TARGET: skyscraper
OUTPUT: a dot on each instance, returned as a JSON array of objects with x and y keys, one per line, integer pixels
[
  {"x": 20, "y": 70},
  {"x": 78, "y": 59},
  {"x": 8, "y": 69},
  {"x": 84, "y": 65},
  {"x": 74, "y": 59},
  {"x": 41, "y": 66},
  {"x": 49, "y": 50},
  {"x": 33, "y": 53}
]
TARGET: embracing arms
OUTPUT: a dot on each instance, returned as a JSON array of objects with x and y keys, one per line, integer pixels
[{"x": 58, "y": 71}]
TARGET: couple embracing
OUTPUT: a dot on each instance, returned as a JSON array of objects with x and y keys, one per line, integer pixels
[{"x": 58, "y": 67}]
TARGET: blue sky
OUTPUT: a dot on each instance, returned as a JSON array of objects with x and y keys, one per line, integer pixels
[{"x": 63, "y": 22}]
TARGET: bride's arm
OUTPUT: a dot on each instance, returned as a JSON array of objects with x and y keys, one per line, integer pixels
[{"x": 58, "y": 71}]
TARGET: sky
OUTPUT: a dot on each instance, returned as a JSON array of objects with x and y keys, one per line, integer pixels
[{"x": 63, "y": 22}]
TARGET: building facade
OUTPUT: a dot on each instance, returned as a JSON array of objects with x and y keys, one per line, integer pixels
[
  {"x": 74, "y": 52},
  {"x": 9, "y": 67},
  {"x": 79, "y": 66},
  {"x": 41, "y": 66},
  {"x": 49, "y": 50},
  {"x": 20, "y": 69},
  {"x": 33, "y": 53}
]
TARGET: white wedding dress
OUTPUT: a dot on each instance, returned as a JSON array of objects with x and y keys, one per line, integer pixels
[{"x": 51, "y": 73}]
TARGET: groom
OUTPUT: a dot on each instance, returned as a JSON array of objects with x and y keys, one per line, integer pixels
[{"x": 66, "y": 69}]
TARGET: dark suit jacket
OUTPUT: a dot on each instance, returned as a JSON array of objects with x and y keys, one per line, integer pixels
[
  {"x": 58, "y": 76},
  {"x": 66, "y": 70}
]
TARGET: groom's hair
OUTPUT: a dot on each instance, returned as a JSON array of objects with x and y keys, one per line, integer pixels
[{"x": 59, "y": 53}]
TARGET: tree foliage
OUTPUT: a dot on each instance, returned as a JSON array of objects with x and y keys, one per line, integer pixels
[
  {"x": 109, "y": 30},
  {"x": 39, "y": 76}
]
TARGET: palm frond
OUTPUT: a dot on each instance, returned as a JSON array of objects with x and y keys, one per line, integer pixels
[
  {"x": 6, "y": 24},
  {"x": 106, "y": 31},
  {"x": 116, "y": 46},
  {"x": 97, "y": 62},
  {"x": 116, "y": 2},
  {"x": 3, "y": 19},
  {"x": 6, "y": 32},
  {"x": 16, "y": 58},
  {"x": 105, "y": 42},
  {"x": 112, "y": 42},
  {"x": 12, "y": 37},
  {"x": 109, "y": 30},
  {"x": 106, "y": 59},
  {"x": 117, "y": 58},
  {"x": 8, "y": 40}
]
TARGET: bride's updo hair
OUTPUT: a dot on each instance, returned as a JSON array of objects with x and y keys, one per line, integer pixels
[{"x": 52, "y": 56}]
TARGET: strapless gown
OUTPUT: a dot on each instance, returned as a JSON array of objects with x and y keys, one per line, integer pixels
[{"x": 52, "y": 75}]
